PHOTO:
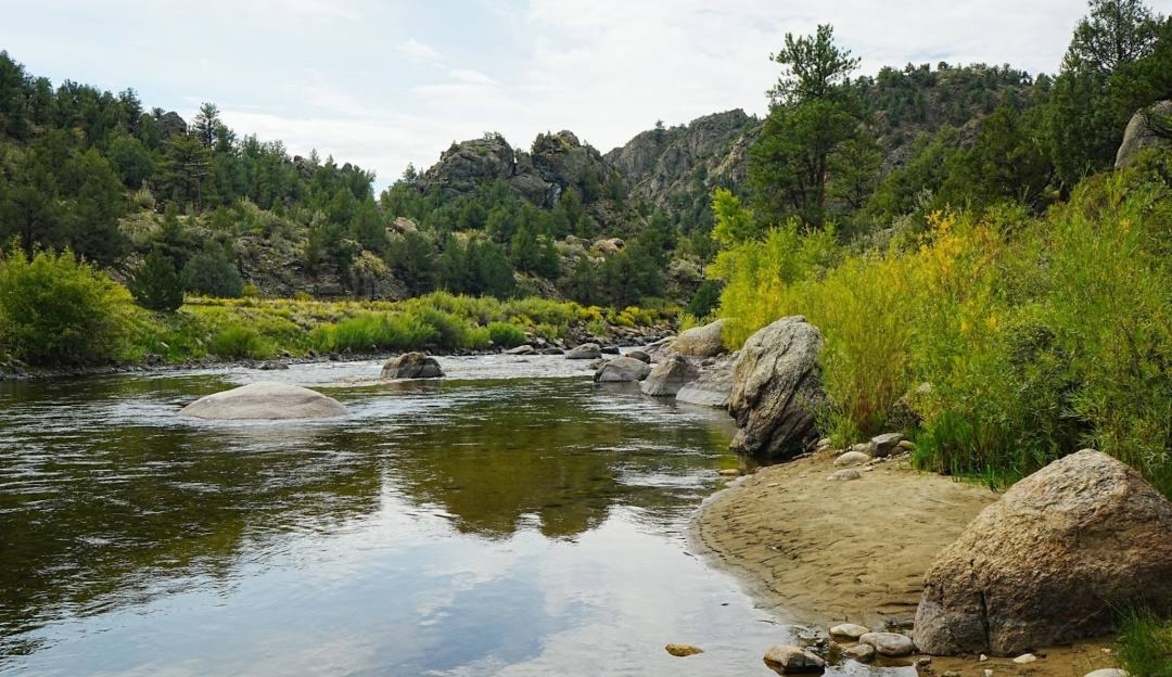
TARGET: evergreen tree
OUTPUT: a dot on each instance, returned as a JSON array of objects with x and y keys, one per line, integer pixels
[{"x": 155, "y": 285}]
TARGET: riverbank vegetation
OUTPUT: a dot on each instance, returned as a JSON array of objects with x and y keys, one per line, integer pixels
[
  {"x": 57, "y": 311},
  {"x": 1005, "y": 311}
]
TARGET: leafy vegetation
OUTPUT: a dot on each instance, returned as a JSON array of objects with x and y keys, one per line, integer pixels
[{"x": 1145, "y": 644}]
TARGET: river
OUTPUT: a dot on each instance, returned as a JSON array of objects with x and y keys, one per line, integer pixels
[{"x": 513, "y": 518}]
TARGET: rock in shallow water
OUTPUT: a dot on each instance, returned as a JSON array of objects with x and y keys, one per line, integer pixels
[
  {"x": 849, "y": 630},
  {"x": 683, "y": 650},
  {"x": 890, "y": 644},
  {"x": 622, "y": 370},
  {"x": 786, "y": 660},
  {"x": 412, "y": 365},
  {"x": 863, "y": 653},
  {"x": 265, "y": 401}
]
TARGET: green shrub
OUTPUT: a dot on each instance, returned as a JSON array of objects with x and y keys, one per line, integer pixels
[
  {"x": 505, "y": 334},
  {"x": 155, "y": 285},
  {"x": 55, "y": 309},
  {"x": 211, "y": 272},
  {"x": 238, "y": 342}
]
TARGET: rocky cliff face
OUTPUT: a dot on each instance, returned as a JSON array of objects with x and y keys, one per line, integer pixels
[
  {"x": 660, "y": 163},
  {"x": 558, "y": 161}
]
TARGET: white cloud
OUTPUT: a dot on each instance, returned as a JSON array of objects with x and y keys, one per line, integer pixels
[{"x": 387, "y": 83}]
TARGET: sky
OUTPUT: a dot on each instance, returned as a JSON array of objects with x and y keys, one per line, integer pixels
[{"x": 384, "y": 83}]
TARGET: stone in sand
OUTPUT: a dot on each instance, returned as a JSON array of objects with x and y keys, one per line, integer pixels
[
  {"x": 885, "y": 444},
  {"x": 1108, "y": 672},
  {"x": 845, "y": 475},
  {"x": 777, "y": 391},
  {"x": 851, "y": 458},
  {"x": 266, "y": 401},
  {"x": 1051, "y": 562}
]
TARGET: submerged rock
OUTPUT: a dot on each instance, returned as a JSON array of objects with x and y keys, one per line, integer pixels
[
  {"x": 412, "y": 365},
  {"x": 622, "y": 370},
  {"x": 265, "y": 401},
  {"x": 1051, "y": 562}
]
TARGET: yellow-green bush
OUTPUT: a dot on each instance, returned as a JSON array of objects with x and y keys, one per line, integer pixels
[
  {"x": 1036, "y": 336},
  {"x": 58, "y": 310}
]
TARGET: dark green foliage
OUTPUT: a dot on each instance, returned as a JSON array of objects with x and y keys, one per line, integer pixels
[
  {"x": 705, "y": 300},
  {"x": 212, "y": 273},
  {"x": 412, "y": 260},
  {"x": 155, "y": 285},
  {"x": 56, "y": 309}
]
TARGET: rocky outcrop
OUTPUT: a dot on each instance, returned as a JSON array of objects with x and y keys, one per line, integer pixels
[
  {"x": 622, "y": 370},
  {"x": 777, "y": 391},
  {"x": 463, "y": 167},
  {"x": 700, "y": 342},
  {"x": 666, "y": 379},
  {"x": 1051, "y": 562},
  {"x": 664, "y": 162},
  {"x": 267, "y": 401},
  {"x": 713, "y": 387},
  {"x": 412, "y": 365},
  {"x": 1149, "y": 128}
]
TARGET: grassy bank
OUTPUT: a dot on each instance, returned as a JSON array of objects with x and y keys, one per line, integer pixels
[
  {"x": 1035, "y": 336},
  {"x": 57, "y": 313}
]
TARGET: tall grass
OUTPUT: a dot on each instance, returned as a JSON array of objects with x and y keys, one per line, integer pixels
[{"x": 1145, "y": 644}]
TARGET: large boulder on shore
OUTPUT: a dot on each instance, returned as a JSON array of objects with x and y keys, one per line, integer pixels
[
  {"x": 666, "y": 379},
  {"x": 713, "y": 387},
  {"x": 265, "y": 401},
  {"x": 586, "y": 351},
  {"x": 1148, "y": 128},
  {"x": 622, "y": 370},
  {"x": 1053, "y": 561},
  {"x": 412, "y": 365},
  {"x": 777, "y": 391},
  {"x": 706, "y": 341}
]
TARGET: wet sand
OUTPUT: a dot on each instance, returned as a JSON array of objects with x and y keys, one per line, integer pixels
[{"x": 818, "y": 552}]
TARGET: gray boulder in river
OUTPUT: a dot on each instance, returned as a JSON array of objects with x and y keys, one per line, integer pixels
[
  {"x": 586, "y": 351},
  {"x": 622, "y": 370},
  {"x": 1053, "y": 561},
  {"x": 412, "y": 365},
  {"x": 777, "y": 391},
  {"x": 666, "y": 379},
  {"x": 265, "y": 401},
  {"x": 706, "y": 341},
  {"x": 714, "y": 385}
]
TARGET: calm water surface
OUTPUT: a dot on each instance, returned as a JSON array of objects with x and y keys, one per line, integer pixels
[{"x": 512, "y": 519}]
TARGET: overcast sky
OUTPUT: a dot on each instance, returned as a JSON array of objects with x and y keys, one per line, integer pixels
[{"x": 385, "y": 82}]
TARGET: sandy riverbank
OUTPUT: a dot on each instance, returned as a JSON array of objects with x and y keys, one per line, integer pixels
[{"x": 819, "y": 552}]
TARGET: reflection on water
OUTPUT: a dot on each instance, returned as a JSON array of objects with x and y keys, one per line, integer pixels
[{"x": 491, "y": 523}]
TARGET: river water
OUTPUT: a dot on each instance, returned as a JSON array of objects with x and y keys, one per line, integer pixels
[{"x": 511, "y": 519}]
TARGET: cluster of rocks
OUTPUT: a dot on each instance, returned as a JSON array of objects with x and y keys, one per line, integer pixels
[{"x": 858, "y": 643}]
